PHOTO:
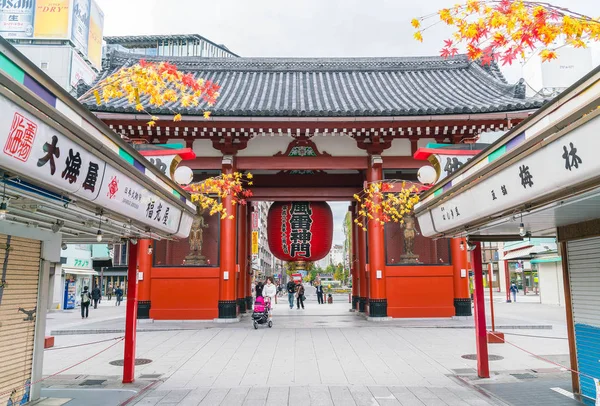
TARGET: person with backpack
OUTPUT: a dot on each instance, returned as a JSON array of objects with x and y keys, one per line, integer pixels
[
  {"x": 514, "y": 289},
  {"x": 96, "y": 295},
  {"x": 119, "y": 295},
  {"x": 86, "y": 299}
]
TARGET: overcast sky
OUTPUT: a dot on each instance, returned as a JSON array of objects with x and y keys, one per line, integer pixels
[{"x": 302, "y": 28}]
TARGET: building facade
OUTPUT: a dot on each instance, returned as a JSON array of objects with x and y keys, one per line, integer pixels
[
  {"x": 192, "y": 45},
  {"x": 303, "y": 143}
]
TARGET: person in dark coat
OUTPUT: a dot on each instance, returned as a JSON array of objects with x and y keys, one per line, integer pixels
[
  {"x": 119, "y": 295},
  {"x": 319, "y": 293},
  {"x": 96, "y": 295}
]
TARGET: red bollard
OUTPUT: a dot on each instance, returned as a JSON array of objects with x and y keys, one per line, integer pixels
[{"x": 349, "y": 298}]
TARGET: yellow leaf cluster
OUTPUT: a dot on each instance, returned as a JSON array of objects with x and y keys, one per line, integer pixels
[
  {"x": 212, "y": 192},
  {"x": 380, "y": 204},
  {"x": 156, "y": 84},
  {"x": 506, "y": 30}
]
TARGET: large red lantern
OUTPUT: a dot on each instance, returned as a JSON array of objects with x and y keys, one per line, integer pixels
[{"x": 300, "y": 231}]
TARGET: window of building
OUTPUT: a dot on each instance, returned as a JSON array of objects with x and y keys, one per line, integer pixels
[
  {"x": 120, "y": 254},
  {"x": 420, "y": 251},
  {"x": 201, "y": 249}
]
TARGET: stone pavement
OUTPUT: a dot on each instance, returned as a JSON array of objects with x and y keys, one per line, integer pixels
[{"x": 321, "y": 355}]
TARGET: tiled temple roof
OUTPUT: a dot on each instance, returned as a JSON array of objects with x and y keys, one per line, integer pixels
[{"x": 339, "y": 87}]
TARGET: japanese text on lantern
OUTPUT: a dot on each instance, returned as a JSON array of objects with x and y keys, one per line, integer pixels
[
  {"x": 20, "y": 138},
  {"x": 300, "y": 225},
  {"x": 284, "y": 213}
]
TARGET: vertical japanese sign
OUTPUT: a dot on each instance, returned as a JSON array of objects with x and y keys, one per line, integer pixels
[
  {"x": 80, "y": 71},
  {"x": 254, "y": 242},
  {"x": 52, "y": 19},
  {"x": 300, "y": 222},
  {"x": 16, "y": 18},
  {"x": 96, "y": 27},
  {"x": 81, "y": 25}
]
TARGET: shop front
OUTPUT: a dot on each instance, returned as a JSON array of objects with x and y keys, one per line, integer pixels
[
  {"x": 65, "y": 178},
  {"x": 541, "y": 179}
]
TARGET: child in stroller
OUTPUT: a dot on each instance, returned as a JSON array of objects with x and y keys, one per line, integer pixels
[{"x": 260, "y": 314}]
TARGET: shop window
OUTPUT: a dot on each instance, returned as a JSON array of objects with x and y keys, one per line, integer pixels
[
  {"x": 418, "y": 250},
  {"x": 120, "y": 254},
  {"x": 199, "y": 250}
]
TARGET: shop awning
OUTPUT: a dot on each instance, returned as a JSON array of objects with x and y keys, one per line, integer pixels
[
  {"x": 542, "y": 173},
  {"x": 79, "y": 271},
  {"x": 66, "y": 171},
  {"x": 546, "y": 260},
  {"x": 522, "y": 253}
]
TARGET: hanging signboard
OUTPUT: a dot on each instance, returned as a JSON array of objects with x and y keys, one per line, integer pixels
[
  {"x": 566, "y": 162},
  {"x": 16, "y": 19},
  {"x": 32, "y": 148},
  {"x": 254, "y": 242}
]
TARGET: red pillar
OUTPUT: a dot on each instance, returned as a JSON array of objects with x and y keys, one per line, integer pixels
[
  {"x": 361, "y": 242},
  {"x": 507, "y": 281},
  {"x": 483, "y": 367},
  {"x": 242, "y": 245},
  {"x": 131, "y": 315},
  {"x": 376, "y": 241},
  {"x": 227, "y": 295},
  {"x": 462, "y": 298},
  {"x": 354, "y": 265},
  {"x": 145, "y": 268},
  {"x": 248, "y": 257}
]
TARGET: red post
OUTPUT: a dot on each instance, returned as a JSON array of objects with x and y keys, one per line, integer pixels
[
  {"x": 462, "y": 297},
  {"x": 507, "y": 279},
  {"x": 131, "y": 316},
  {"x": 361, "y": 239},
  {"x": 145, "y": 268},
  {"x": 248, "y": 258},
  {"x": 354, "y": 265},
  {"x": 242, "y": 254},
  {"x": 483, "y": 366},
  {"x": 375, "y": 236},
  {"x": 227, "y": 296},
  {"x": 490, "y": 270}
]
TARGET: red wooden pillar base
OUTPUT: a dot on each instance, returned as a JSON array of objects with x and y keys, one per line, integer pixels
[
  {"x": 131, "y": 316},
  {"x": 483, "y": 366}
]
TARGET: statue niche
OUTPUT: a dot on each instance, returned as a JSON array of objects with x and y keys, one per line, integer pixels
[
  {"x": 195, "y": 240},
  {"x": 410, "y": 232}
]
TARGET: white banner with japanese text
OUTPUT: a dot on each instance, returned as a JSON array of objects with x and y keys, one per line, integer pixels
[
  {"x": 564, "y": 163},
  {"x": 37, "y": 151}
]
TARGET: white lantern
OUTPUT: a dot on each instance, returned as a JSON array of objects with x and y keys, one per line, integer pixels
[
  {"x": 183, "y": 175},
  {"x": 427, "y": 175}
]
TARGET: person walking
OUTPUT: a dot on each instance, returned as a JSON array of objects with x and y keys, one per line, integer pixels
[
  {"x": 111, "y": 292},
  {"x": 258, "y": 289},
  {"x": 319, "y": 293},
  {"x": 119, "y": 295},
  {"x": 514, "y": 289},
  {"x": 96, "y": 294},
  {"x": 270, "y": 292},
  {"x": 300, "y": 296},
  {"x": 86, "y": 299},
  {"x": 291, "y": 290}
]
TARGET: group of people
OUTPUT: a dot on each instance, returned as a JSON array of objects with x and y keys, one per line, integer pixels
[
  {"x": 95, "y": 297},
  {"x": 295, "y": 291}
]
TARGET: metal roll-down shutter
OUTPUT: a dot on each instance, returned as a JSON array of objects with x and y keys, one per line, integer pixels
[
  {"x": 19, "y": 272},
  {"x": 584, "y": 274}
]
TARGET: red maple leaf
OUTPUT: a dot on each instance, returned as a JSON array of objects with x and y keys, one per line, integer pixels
[
  {"x": 445, "y": 53},
  {"x": 527, "y": 39},
  {"x": 509, "y": 56},
  {"x": 448, "y": 43},
  {"x": 143, "y": 63}
]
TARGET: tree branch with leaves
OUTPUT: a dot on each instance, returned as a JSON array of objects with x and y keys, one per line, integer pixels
[
  {"x": 210, "y": 192},
  {"x": 157, "y": 84},
  {"x": 507, "y": 30},
  {"x": 378, "y": 202}
]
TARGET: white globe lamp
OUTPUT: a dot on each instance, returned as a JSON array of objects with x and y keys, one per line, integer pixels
[
  {"x": 183, "y": 175},
  {"x": 427, "y": 175}
]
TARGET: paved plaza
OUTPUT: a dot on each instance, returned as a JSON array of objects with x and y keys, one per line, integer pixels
[{"x": 323, "y": 355}]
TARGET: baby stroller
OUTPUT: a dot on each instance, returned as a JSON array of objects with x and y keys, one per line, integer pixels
[{"x": 260, "y": 314}]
